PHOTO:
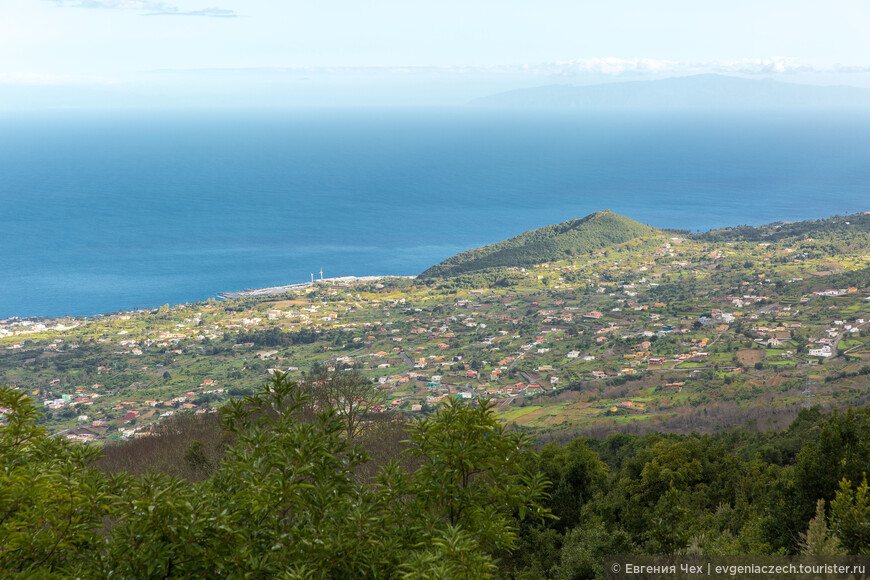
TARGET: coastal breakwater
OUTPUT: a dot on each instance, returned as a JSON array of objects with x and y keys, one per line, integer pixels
[{"x": 255, "y": 292}]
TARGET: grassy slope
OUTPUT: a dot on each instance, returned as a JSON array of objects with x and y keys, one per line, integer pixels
[{"x": 578, "y": 236}]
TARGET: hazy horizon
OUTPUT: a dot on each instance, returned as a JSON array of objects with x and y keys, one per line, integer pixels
[
  {"x": 229, "y": 53},
  {"x": 295, "y": 89}
]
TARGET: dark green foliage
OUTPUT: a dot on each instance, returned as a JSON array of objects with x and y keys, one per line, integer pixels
[
  {"x": 850, "y": 517},
  {"x": 285, "y": 492},
  {"x": 467, "y": 459},
  {"x": 842, "y": 226},
  {"x": 556, "y": 242},
  {"x": 710, "y": 495},
  {"x": 577, "y": 474},
  {"x": 497, "y": 278},
  {"x": 51, "y": 500},
  {"x": 277, "y": 337},
  {"x": 585, "y": 548},
  {"x": 284, "y": 502},
  {"x": 839, "y": 449}
]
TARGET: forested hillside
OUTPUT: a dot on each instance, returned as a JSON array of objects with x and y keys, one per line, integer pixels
[
  {"x": 839, "y": 226},
  {"x": 284, "y": 493},
  {"x": 555, "y": 242}
]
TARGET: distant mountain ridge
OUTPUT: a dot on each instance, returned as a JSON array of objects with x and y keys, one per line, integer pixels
[
  {"x": 554, "y": 242},
  {"x": 691, "y": 92}
]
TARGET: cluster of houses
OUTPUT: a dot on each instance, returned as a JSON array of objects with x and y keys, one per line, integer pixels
[
  {"x": 414, "y": 376},
  {"x": 824, "y": 347},
  {"x": 837, "y": 292},
  {"x": 18, "y": 326}
]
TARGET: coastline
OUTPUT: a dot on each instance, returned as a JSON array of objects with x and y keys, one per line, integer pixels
[
  {"x": 465, "y": 196},
  {"x": 248, "y": 293},
  {"x": 255, "y": 292}
]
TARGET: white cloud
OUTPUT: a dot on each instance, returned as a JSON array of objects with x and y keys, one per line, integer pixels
[
  {"x": 612, "y": 66},
  {"x": 147, "y": 8},
  {"x": 208, "y": 12},
  {"x": 770, "y": 65},
  {"x": 851, "y": 69},
  {"x": 576, "y": 69}
]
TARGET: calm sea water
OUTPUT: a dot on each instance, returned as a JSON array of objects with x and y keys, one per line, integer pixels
[{"x": 108, "y": 211}]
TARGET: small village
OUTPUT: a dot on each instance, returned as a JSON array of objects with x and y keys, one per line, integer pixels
[{"x": 660, "y": 331}]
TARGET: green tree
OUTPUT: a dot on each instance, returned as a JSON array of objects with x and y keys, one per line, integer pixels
[
  {"x": 51, "y": 500},
  {"x": 585, "y": 548},
  {"x": 817, "y": 541},
  {"x": 471, "y": 476},
  {"x": 286, "y": 502},
  {"x": 850, "y": 517},
  {"x": 838, "y": 449},
  {"x": 576, "y": 473}
]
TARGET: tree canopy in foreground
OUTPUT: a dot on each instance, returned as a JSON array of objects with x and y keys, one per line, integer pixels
[{"x": 284, "y": 503}]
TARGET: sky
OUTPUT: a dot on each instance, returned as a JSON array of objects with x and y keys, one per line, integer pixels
[{"x": 236, "y": 52}]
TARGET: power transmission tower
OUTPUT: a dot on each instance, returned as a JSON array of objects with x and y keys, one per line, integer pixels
[{"x": 808, "y": 394}]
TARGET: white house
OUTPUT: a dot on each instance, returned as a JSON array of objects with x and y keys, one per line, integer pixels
[{"x": 824, "y": 352}]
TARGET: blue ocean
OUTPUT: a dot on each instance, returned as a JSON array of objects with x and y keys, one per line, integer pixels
[{"x": 107, "y": 211}]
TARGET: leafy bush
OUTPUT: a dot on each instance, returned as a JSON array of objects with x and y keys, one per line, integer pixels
[{"x": 284, "y": 503}]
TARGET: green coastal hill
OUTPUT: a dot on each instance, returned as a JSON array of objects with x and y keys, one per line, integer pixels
[
  {"x": 578, "y": 236},
  {"x": 842, "y": 227}
]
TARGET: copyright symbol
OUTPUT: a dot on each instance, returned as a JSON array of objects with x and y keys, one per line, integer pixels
[{"x": 615, "y": 568}]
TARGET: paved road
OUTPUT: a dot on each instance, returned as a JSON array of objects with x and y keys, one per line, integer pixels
[
  {"x": 836, "y": 342},
  {"x": 516, "y": 360},
  {"x": 768, "y": 308}
]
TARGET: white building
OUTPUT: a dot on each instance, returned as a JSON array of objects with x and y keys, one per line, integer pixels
[{"x": 824, "y": 351}]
